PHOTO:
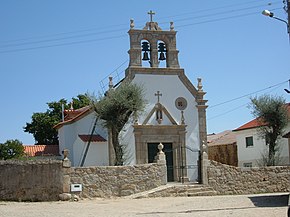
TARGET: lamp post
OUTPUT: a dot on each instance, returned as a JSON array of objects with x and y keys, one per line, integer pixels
[{"x": 271, "y": 14}]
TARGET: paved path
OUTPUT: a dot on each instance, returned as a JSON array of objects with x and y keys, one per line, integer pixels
[{"x": 233, "y": 206}]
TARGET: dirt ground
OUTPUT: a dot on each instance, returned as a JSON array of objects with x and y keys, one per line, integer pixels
[{"x": 234, "y": 206}]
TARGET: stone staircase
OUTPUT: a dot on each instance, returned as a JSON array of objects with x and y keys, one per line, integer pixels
[{"x": 176, "y": 190}]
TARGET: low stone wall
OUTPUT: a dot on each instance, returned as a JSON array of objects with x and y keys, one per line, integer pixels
[
  {"x": 30, "y": 180},
  {"x": 115, "y": 181},
  {"x": 233, "y": 180}
]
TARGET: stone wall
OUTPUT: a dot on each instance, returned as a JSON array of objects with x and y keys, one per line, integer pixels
[
  {"x": 30, "y": 180},
  {"x": 225, "y": 154},
  {"x": 233, "y": 180},
  {"x": 115, "y": 181}
]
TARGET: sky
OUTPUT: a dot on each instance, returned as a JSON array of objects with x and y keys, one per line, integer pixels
[{"x": 61, "y": 48}]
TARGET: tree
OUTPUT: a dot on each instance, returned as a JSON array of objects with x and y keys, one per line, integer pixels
[
  {"x": 42, "y": 123},
  {"x": 115, "y": 110},
  {"x": 271, "y": 112},
  {"x": 11, "y": 149}
]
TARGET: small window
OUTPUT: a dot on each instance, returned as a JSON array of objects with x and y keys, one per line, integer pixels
[
  {"x": 249, "y": 142},
  {"x": 247, "y": 164}
]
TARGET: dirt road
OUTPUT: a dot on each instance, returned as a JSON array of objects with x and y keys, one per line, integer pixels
[{"x": 234, "y": 206}]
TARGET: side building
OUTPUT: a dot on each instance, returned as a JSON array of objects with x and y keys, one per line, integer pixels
[{"x": 252, "y": 148}]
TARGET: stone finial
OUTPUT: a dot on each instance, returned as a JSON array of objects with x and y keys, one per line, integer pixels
[
  {"x": 132, "y": 25},
  {"x": 160, "y": 158},
  {"x": 66, "y": 162},
  {"x": 160, "y": 147},
  {"x": 182, "y": 117},
  {"x": 199, "y": 84},
  {"x": 65, "y": 153},
  {"x": 111, "y": 85},
  {"x": 171, "y": 26}
]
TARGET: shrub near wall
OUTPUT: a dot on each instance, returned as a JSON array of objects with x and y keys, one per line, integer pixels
[
  {"x": 233, "y": 180},
  {"x": 30, "y": 180},
  {"x": 115, "y": 181}
]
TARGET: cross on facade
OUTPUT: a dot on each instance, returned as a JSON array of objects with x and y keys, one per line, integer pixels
[
  {"x": 151, "y": 13},
  {"x": 158, "y": 94}
]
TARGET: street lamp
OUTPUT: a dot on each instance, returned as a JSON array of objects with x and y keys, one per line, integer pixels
[{"x": 271, "y": 14}]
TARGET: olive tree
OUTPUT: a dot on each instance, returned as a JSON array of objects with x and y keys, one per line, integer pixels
[
  {"x": 271, "y": 112},
  {"x": 115, "y": 109}
]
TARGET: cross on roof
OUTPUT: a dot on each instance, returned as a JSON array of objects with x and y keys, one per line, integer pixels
[
  {"x": 158, "y": 94},
  {"x": 151, "y": 13}
]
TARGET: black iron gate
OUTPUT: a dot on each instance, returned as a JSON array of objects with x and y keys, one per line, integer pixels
[{"x": 181, "y": 165}]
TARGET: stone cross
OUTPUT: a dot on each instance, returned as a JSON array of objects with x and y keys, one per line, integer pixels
[
  {"x": 151, "y": 13},
  {"x": 158, "y": 94}
]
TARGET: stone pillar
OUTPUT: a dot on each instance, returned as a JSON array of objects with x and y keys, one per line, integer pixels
[
  {"x": 154, "y": 55},
  {"x": 201, "y": 106},
  {"x": 66, "y": 180},
  {"x": 66, "y": 168},
  {"x": 204, "y": 165},
  {"x": 161, "y": 161}
]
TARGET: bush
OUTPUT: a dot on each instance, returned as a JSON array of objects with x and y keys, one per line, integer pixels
[{"x": 11, "y": 149}]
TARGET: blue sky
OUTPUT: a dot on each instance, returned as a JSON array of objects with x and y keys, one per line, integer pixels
[{"x": 61, "y": 48}]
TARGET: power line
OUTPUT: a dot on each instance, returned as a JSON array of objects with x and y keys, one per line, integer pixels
[
  {"x": 221, "y": 13},
  {"x": 217, "y": 8},
  {"x": 59, "y": 39},
  {"x": 249, "y": 94},
  {"x": 231, "y": 110},
  {"x": 114, "y": 37},
  {"x": 63, "y": 44},
  {"x": 117, "y": 30}
]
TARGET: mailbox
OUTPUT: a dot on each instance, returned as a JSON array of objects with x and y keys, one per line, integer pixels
[{"x": 76, "y": 187}]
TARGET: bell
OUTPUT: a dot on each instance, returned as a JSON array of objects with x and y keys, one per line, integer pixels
[
  {"x": 162, "y": 56},
  {"x": 145, "y": 56}
]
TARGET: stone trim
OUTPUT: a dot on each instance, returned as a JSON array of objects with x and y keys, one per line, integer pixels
[{"x": 174, "y": 134}]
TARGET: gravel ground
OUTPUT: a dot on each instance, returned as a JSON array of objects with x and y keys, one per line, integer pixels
[{"x": 234, "y": 206}]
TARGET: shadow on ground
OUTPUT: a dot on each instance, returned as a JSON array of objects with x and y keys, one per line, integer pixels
[{"x": 270, "y": 201}]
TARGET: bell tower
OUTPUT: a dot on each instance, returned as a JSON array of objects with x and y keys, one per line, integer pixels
[{"x": 152, "y": 44}]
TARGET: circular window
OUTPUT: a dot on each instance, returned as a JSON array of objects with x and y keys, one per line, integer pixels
[{"x": 181, "y": 103}]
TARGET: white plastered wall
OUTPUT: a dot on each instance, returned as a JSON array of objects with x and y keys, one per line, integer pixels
[{"x": 171, "y": 87}]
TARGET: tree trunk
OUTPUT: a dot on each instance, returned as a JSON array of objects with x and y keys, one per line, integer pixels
[{"x": 117, "y": 147}]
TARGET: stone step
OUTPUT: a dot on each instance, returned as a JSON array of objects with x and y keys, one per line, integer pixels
[{"x": 177, "y": 190}]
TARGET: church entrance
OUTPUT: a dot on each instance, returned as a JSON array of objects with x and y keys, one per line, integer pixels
[{"x": 152, "y": 152}]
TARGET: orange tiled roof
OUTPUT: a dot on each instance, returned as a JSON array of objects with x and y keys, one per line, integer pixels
[
  {"x": 74, "y": 115},
  {"x": 41, "y": 150},
  {"x": 258, "y": 122},
  {"x": 95, "y": 138},
  {"x": 223, "y": 138}
]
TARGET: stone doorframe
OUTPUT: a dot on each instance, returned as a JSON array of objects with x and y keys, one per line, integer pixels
[{"x": 174, "y": 134}]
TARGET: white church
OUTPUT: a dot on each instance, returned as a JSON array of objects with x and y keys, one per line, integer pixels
[{"x": 175, "y": 113}]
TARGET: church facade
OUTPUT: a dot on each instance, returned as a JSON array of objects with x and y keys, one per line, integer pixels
[{"x": 175, "y": 113}]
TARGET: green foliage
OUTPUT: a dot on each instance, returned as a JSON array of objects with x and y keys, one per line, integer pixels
[
  {"x": 116, "y": 108},
  {"x": 11, "y": 149},
  {"x": 272, "y": 113},
  {"x": 42, "y": 123}
]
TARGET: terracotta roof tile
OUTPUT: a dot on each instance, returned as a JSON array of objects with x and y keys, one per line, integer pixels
[
  {"x": 223, "y": 138},
  {"x": 41, "y": 150},
  {"x": 251, "y": 124},
  {"x": 95, "y": 138},
  {"x": 257, "y": 122},
  {"x": 74, "y": 115}
]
